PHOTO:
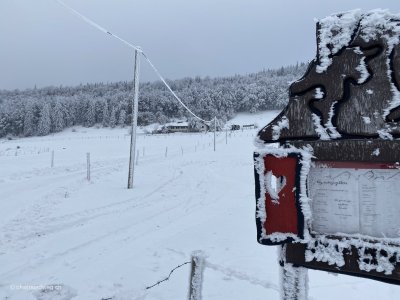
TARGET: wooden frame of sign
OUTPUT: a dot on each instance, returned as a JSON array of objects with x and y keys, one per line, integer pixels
[
  {"x": 328, "y": 192},
  {"x": 358, "y": 153}
]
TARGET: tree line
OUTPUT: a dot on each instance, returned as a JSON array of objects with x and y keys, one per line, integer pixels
[{"x": 41, "y": 111}]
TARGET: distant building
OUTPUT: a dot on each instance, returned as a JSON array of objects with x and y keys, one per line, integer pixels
[
  {"x": 249, "y": 126},
  {"x": 235, "y": 127},
  {"x": 179, "y": 126},
  {"x": 196, "y": 125},
  {"x": 182, "y": 126}
]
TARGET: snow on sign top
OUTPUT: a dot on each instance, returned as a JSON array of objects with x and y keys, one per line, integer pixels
[
  {"x": 335, "y": 32},
  {"x": 354, "y": 77}
]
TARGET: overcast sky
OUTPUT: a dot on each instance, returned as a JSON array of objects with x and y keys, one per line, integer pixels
[{"x": 43, "y": 44}]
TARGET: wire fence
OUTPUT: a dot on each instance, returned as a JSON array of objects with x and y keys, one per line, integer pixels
[
  {"x": 199, "y": 263},
  {"x": 204, "y": 141}
]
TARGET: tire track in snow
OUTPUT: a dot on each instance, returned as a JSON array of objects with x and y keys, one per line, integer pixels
[
  {"x": 65, "y": 222},
  {"x": 113, "y": 233},
  {"x": 38, "y": 211},
  {"x": 31, "y": 217},
  {"x": 145, "y": 230}
]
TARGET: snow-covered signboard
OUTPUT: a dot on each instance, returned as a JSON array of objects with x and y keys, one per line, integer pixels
[{"x": 327, "y": 169}]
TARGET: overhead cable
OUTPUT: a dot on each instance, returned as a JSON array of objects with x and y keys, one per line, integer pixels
[
  {"x": 170, "y": 89},
  {"x": 137, "y": 48}
]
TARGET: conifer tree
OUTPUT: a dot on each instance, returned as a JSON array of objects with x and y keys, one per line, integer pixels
[
  {"x": 122, "y": 118},
  {"x": 113, "y": 118},
  {"x": 91, "y": 114},
  {"x": 29, "y": 125},
  {"x": 106, "y": 115},
  {"x": 58, "y": 117},
  {"x": 44, "y": 120}
]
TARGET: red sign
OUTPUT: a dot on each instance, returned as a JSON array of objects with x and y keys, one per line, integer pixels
[{"x": 282, "y": 212}]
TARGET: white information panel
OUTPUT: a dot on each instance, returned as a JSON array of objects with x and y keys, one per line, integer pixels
[{"x": 355, "y": 200}]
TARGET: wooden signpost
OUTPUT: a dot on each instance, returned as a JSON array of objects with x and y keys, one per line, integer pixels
[{"x": 327, "y": 171}]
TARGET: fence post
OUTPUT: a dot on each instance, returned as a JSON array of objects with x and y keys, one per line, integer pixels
[
  {"x": 166, "y": 151},
  {"x": 88, "y": 166},
  {"x": 294, "y": 280},
  {"x": 215, "y": 130},
  {"x": 196, "y": 275},
  {"x": 52, "y": 158}
]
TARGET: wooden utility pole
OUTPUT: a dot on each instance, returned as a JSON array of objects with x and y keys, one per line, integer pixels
[{"x": 134, "y": 120}]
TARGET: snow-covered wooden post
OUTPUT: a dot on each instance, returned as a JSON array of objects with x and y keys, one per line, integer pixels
[
  {"x": 294, "y": 282},
  {"x": 215, "y": 130},
  {"x": 88, "y": 166},
  {"x": 196, "y": 275},
  {"x": 134, "y": 120},
  {"x": 327, "y": 193},
  {"x": 52, "y": 158}
]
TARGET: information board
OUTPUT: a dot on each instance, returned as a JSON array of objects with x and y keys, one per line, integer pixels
[
  {"x": 355, "y": 198},
  {"x": 343, "y": 122}
]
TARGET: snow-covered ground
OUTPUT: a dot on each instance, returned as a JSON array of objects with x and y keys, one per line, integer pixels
[
  {"x": 98, "y": 240},
  {"x": 258, "y": 118}
]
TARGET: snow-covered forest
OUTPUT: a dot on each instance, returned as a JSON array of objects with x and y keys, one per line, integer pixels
[{"x": 41, "y": 111}]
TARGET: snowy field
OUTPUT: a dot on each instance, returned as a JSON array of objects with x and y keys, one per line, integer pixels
[{"x": 97, "y": 240}]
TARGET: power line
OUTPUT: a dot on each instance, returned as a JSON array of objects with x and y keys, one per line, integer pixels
[
  {"x": 137, "y": 48},
  {"x": 170, "y": 89},
  {"x": 94, "y": 24}
]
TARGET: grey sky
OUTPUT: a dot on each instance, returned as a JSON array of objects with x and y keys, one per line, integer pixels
[{"x": 43, "y": 44}]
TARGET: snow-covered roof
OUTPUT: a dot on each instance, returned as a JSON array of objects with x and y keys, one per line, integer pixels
[{"x": 178, "y": 124}]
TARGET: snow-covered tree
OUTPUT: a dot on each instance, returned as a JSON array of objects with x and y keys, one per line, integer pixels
[
  {"x": 113, "y": 118},
  {"x": 29, "y": 119},
  {"x": 44, "y": 120},
  {"x": 122, "y": 118},
  {"x": 109, "y": 104},
  {"x": 58, "y": 117},
  {"x": 106, "y": 115},
  {"x": 91, "y": 114}
]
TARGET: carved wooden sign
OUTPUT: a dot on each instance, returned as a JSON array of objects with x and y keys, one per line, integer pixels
[{"x": 327, "y": 169}]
